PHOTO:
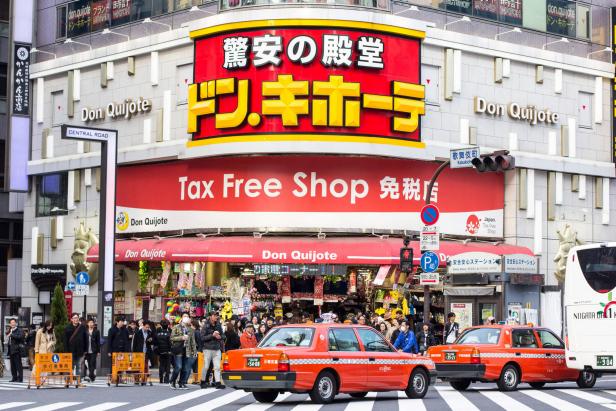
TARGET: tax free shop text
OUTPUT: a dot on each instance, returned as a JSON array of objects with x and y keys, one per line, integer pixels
[{"x": 304, "y": 185}]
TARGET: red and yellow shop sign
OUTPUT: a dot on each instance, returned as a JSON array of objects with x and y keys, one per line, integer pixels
[{"x": 321, "y": 80}]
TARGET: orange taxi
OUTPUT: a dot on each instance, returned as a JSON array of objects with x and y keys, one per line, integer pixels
[
  {"x": 324, "y": 360},
  {"x": 507, "y": 355}
]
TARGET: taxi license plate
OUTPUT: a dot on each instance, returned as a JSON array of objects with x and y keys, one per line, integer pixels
[
  {"x": 450, "y": 356},
  {"x": 605, "y": 361},
  {"x": 253, "y": 362}
]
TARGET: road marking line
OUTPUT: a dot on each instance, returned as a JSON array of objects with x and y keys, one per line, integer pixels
[
  {"x": 219, "y": 401},
  {"x": 170, "y": 402},
  {"x": 504, "y": 401},
  {"x": 307, "y": 407},
  {"x": 406, "y": 403},
  {"x": 257, "y": 406},
  {"x": 9, "y": 388},
  {"x": 105, "y": 406},
  {"x": 10, "y": 405},
  {"x": 54, "y": 406},
  {"x": 455, "y": 400},
  {"x": 552, "y": 401},
  {"x": 586, "y": 396},
  {"x": 361, "y": 404}
]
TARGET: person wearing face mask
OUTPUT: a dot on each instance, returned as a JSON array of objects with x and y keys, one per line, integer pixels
[
  {"x": 406, "y": 341},
  {"x": 118, "y": 337},
  {"x": 183, "y": 348},
  {"x": 76, "y": 342}
]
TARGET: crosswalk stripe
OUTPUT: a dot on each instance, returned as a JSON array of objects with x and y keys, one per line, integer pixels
[
  {"x": 257, "y": 406},
  {"x": 611, "y": 392},
  {"x": 104, "y": 406},
  {"x": 8, "y": 388},
  {"x": 170, "y": 402},
  {"x": 361, "y": 404},
  {"x": 54, "y": 406},
  {"x": 307, "y": 407},
  {"x": 596, "y": 399},
  {"x": 9, "y": 405},
  {"x": 552, "y": 401},
  {"x": 455, "y": 400},
  {"x": 406, "y": 403},
  {"x": 219, "y": 401},
  {"x": 505, "y": 401}
]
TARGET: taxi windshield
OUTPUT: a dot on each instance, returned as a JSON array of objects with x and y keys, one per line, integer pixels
[
  {"x": 480, "y": 336},
  {"x": 288, "y": 337}
]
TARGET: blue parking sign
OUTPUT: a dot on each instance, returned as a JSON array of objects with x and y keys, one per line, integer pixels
[{"x": 429, "y": 262}]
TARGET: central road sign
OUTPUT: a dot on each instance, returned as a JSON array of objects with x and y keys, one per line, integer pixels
[
  {"x": 83, "y": 278},
  {"x": 429, "y": 214},
  {"x": 429, "y": 262}
]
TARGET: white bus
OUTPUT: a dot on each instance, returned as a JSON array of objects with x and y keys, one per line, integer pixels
[{"x": 590, "y": 308}]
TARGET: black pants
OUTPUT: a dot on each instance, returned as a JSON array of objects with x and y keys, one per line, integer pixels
[
  {"x": 164, "y": 367},
  {"x": 91, "y": 363},
  {"x": 17, "y": 371}
]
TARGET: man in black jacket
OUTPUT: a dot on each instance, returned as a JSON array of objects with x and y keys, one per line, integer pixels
[
  {"x": 143, "y": 341},
  {"x": 93, "y": 347},
  {"x": 425, "y": 339},
  {"x": 14, "y": 340},
  {"x": 118, "y": 337},
  {"x": 163, "y": 347},
  {"x": 76, "y": 342},
  {"x": 213, "y": 343}
]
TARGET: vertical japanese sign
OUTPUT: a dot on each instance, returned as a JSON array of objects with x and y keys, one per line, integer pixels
[
  {"x": 21, "y": 80},
  {"x": 120, "y": 12},
  {"x": 510, "y": 11},
  {"x": 306, "y": 80},
  {"x": 614, "y": 87}
]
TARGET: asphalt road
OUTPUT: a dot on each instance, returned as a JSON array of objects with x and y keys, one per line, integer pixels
[{"x": 99, "y": 397}]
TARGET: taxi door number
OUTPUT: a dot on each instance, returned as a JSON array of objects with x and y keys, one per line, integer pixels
[
  {"x": 450, "y": 356},
  {"x": 253, "y": 362}
]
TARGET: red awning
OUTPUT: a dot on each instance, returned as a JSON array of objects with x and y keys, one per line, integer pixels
[{"x": 288, "y": 250}]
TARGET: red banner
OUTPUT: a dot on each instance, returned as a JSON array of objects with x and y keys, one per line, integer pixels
[
  {"x": 310, "y": 191},
  {"x": 318, "y": 290},
  {"x": 328, "y": 80},
  {"x": 68, "y": 298}
]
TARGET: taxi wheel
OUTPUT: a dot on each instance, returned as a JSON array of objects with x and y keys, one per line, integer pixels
[
  {"x": 509, "y": 379},
  {"x": 265, "y": 396},
  {"x": 587, "y": 379},
  {"x": 536, "y": 385},
  {"x": 460, "y": 385},
  {"x": 358, "y": 394},
  {"x": 418, "y": 384},
  {"x": 325, "y": 388}
]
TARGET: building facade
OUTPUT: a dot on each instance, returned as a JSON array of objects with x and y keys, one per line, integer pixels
[{"x": 278, "y": 163}]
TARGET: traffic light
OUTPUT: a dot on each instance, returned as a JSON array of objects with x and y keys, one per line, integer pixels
[
  {"x": 406, "y": 259},
  {"x": 497, "y": 161}
]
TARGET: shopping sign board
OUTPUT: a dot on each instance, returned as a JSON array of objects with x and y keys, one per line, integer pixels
[
  {"x": 462, "y": 157},
  {"x": 323, "y": 80},
  {"x": 304, "y": 192},
  {"x": 475, "y": 262}
]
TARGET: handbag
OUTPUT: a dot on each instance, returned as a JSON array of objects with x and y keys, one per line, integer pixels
[{"x": 177, "y": 348}]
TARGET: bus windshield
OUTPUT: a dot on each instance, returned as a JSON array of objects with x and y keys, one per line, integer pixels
[{"x": 599, "y": 267}]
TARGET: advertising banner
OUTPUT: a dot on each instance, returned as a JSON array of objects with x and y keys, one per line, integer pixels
[
  {"x": 101, "y": 14},
  {"x": 120, "y": 12},
  {"x": 303, "y": 192},
  {"x": 78, "y": 21},
  {"x": 458, "y": 6},
  {"x": 561, "y": 17},
  {"x": 21, "y": 80},
  {"x": 324, "y": 80},
  {"x": 510, "y": 11}
]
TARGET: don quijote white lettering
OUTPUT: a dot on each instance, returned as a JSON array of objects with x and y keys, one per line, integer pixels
[
  {"x": 529, "y": 113},
  {"x": 125, "y": 109},
  {"x": 310, "y": 256}
]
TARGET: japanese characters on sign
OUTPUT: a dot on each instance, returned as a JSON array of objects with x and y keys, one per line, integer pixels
[
  {"x": 462, "y": 157},
  {"x": 429, "y": 279},
  {"x": 520, "y": 264},
  {"x": 303, "y": 191},
  {"x": 21, "y": 80},
  {"x": 315, "y": 80},
  {"x": 429, "y": 239},
  {"x": 475, "y": 262},
  {"x": 78, "y": 21}
]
